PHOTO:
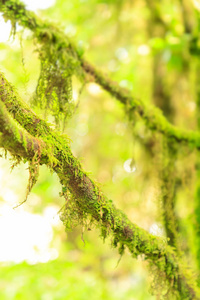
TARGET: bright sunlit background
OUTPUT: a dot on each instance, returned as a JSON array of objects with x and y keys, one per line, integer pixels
[{"x": 28, "y": 234}]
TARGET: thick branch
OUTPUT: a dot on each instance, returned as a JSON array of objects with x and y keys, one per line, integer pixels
[
  {"x": 90, "y": 199},
  {"x": 13, "y": 137},
  {"x": 44, "y": 32}
]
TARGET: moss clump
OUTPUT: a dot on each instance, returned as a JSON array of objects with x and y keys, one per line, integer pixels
[
  {"x": 59, "y": 62},
  {"x": 54, "y": 93}
]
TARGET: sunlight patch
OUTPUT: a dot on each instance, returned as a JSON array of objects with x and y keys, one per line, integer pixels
[
  {"x": 129, "y": 165},
  {"x": 25, "y": 237},
  {"x": 38, "y": 4},
  {"x": 196, "y": 4},
  {"x": 5, "y": 30},
  {"x": 143, "y": 50}
]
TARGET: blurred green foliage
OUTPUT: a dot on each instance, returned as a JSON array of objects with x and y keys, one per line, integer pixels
[{"x": 62, "y": 279}]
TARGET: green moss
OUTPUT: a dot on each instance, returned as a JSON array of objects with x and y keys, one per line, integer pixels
[
  {"x": 169, "y": 189},
  {"x": 56, "y": 45},
  {"x": 85, "y": 203},
  {"x": 54, "y": 89},
  {"x": 59, "y": 62}
]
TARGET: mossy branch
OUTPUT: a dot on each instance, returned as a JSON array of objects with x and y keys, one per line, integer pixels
[
  {"x": 45, "y": 32},
  {"x": 168, "y": 192},
  {"x": 152, "y": 115},
  {"x": 197, "y": 192},
  {"x": 14, "y": 138},
  {"x": 91, "y": 202}
]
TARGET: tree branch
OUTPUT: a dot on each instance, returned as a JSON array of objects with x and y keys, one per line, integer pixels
[
  {"x": 44, "y": 32},
  {"x": 55, "y": 152},
  {"x": 14, "y": 137}
]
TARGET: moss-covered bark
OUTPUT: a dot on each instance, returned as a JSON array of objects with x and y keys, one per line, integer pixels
[
  {"x": 197, "y": 194},
  {"x": 47, "y": 34},
  {"x": 162, "y": 98},
  {"x": 88, "y": 201}
]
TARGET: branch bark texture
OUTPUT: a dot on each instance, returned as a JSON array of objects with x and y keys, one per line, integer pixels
[
  {"x": 55, "y": 152},
  {"x": 46, "y": 33}
]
